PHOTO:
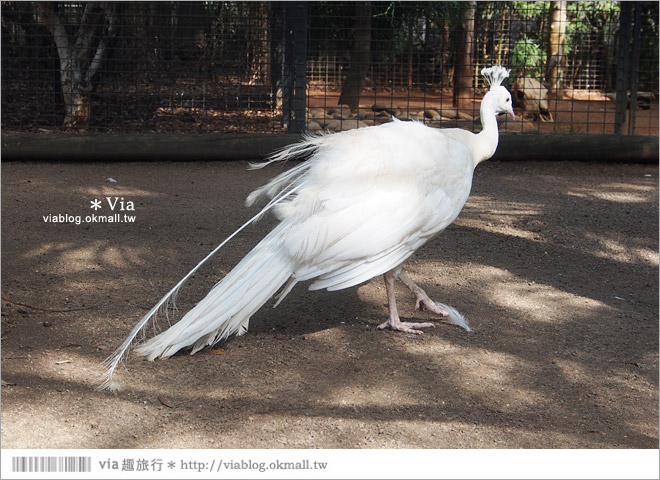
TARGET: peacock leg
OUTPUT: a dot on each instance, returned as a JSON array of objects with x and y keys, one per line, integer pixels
[
  {"x": 423, "y": 300},
  {"x": 394, "y": 322}
]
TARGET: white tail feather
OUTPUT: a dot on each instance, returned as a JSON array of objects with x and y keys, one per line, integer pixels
[
  {"x": 227, "y": 308},
  {"x": 455, "y": 317},
  {"x": 298, "y": 150},
  {"x": 111, "y": 363}
]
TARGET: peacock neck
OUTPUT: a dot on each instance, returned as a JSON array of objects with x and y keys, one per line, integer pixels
[{"x": 487, "y": 139}]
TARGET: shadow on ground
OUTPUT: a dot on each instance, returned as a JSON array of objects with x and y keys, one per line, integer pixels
[{"x": 554, "y": 264}]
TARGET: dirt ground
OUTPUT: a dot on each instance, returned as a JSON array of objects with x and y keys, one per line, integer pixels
[{"x": 554, "y": 264}]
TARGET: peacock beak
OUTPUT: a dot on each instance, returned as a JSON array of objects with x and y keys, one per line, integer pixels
[{"x": 507, "y": 111}]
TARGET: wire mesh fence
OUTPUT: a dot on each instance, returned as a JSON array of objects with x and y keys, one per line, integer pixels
[{"x": 271, "y": 67}]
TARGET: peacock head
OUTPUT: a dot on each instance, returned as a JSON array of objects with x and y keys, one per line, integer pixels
[{"x": 498, "y": 97}]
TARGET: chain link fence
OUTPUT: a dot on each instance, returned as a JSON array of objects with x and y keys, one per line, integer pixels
[{"x": 275, "y": 67}]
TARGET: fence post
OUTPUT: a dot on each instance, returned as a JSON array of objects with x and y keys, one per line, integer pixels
[
  {"x": 622, "y": 69},
  {"x": 276, "y": 29},
  {"x": 634, "y": 74},
  {"x": 300, "y": 67},
  {"x": 289, "y": 66},
  {"x": 294, "y": 81}
]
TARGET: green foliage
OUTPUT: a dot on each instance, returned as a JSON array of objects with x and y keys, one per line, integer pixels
[
  {"x": 534, "y": 11},
  {"x": 648, "y": 74},
  {"x": 587, "y": 18},
  {"x": 512, "y": 33},
  {"x": 527, "y": 58}
]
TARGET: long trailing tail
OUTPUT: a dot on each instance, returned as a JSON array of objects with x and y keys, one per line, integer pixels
[
  {"x": 227, "y": 308},
  {"x": 225, "y": 311}
]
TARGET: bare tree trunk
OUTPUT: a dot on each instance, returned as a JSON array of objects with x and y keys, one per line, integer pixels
[
  {"x": 192, "y": 24},
  {"x": 465, "y": 60},
  {"x": 276, "y": 26},
  {"x": 77, "y": 66},
  {"x": 360, "y": 57},
  {"x": 445, "y": 55},
  {"x": 410, "y": 51},
  {"x": 557, "y": 19}
]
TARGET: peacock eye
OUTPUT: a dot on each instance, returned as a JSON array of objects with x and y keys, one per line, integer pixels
[{"x": 508, "y": 100}]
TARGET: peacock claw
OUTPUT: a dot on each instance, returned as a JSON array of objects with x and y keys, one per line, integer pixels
[
  {"x": 425, "y": 303},
  {"x": 406, "y": 327}
]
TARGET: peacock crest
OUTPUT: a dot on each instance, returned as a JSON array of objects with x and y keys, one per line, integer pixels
[{"x": 495, "y": 75}]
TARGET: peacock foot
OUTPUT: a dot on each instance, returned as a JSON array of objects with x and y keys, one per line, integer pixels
[{"x": 406, "y": 327}]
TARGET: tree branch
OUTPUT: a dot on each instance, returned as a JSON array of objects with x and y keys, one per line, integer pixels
[
  {"x": 88, "y": 26},
  {"x": 54, "y": 25},
  {"x": 100, "y": 50}
]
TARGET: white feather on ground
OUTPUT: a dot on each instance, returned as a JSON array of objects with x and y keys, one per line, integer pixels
[{"x": 359, "y": 207}]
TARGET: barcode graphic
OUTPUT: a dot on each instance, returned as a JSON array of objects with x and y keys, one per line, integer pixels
[{"x": 51, "y": 464}]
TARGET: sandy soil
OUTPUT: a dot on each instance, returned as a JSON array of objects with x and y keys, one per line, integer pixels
[{"x": 555, "y": 265}]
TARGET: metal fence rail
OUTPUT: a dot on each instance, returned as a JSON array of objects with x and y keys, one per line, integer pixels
[{"x": 262, "y": 67}]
